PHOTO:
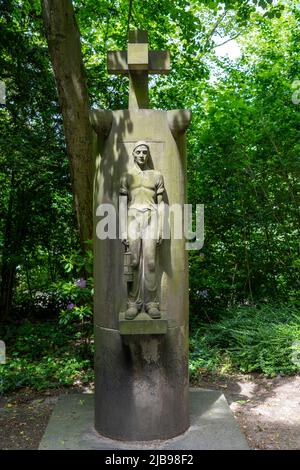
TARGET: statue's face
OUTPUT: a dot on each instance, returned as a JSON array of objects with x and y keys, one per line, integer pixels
[{"x": 140, "y": 155}]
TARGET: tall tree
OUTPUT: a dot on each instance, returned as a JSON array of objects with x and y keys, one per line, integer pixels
[
  {"x": 37, "y": 220},
  {"x": 180, "y": 20},
  {"x": 65, "y": 51}
]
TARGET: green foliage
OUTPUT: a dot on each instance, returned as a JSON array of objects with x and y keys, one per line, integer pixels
[
  {"x": 57, "y": 353},
  {"x": 76, "y": 262},
  {"x": 263, "y": 339},
  {"x": 248, "y": 339},
  {"x": 37, "y": 222},
  {"x": 78, "y": 297},
  {"x": 73, "y": 287},
  {"x": 38, "y": 304},
  {"x": 44, "y": 355},
  {"x": 243, "y": 165},
  {"x": 79, "y": 300},
  {"x": 239, "y": 165}
]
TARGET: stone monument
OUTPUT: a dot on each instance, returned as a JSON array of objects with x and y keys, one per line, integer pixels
[
  {"x": 141, "y": 283},
  {"x": 141, "y": 287}
]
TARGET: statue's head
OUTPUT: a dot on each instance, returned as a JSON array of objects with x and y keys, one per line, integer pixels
[{"x": 141, "y": 153}]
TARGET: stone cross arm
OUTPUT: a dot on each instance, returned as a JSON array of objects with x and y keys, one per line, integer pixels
[
  {"x": 138, "y": 62},
  {"x": 157, "y": 62},
  {"x": 138, "y": 57}
]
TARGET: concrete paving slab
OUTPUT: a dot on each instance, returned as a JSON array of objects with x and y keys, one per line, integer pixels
[{"x": 212, "y": 427}]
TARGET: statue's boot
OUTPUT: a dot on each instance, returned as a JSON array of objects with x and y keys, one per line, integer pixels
[
  {"x": 131, "y": 313},
  {"x": 153, "y": 310}
]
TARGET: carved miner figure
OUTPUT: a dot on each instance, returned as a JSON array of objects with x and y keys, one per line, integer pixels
[{"x": 144, "y": 188}]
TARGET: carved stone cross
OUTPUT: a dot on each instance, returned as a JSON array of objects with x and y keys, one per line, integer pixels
[{"x": 137, "y": 63}]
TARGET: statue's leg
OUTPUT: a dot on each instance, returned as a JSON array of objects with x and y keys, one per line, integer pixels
[
  {"x": 135, "y": 287},
  {"x": 150, "y": 272}
]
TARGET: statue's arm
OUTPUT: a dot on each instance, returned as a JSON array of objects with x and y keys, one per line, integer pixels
[
  {"x": 123, "y": 208},
  {"x": 161, "y": 209},
  {"x": 160, "y": 189}
]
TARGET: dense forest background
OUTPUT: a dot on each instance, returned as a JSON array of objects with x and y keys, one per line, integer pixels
[{"x": 243, "y": 165}]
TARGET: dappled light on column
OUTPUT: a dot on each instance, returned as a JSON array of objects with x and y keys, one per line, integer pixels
[{"x": 141, "y": 284}]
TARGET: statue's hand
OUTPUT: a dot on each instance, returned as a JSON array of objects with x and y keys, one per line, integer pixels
[{"x": 125, "y": 242}]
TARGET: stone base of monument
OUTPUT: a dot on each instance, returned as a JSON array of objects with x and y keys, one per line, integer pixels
[
  {"x": 212, "y": 427},
  {"x": 142, "y": 324}
]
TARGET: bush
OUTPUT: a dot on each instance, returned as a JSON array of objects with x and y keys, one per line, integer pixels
[
  {"x": 44, "y": 355},
  {"x": 45, "y": 303},
  {"x": 263, "y": 339},
  {"x": 56, "y": 352}
]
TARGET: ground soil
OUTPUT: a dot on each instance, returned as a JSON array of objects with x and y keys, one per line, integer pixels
[{"x": 267, "y": 411}]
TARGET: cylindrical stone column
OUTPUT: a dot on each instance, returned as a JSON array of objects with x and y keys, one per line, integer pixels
[{"x": 141, "y": 389}]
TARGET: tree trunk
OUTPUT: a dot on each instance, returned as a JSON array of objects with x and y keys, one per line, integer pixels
[
  {"x": 65, "y": 52},
  {"x": 8, "y": 266},
  {"x": 8, "y": 276}
]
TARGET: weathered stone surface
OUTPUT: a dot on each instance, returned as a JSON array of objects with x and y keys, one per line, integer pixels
[
  {"x": 141, "y": 190},
  {"x": 142, "y": 325},
  {"x": 137, "y": 63},
  {"x": 159, "y": 62},
  {"x": 141, "y": 385},
  {"x": 213, "y": 427},
  {"x": 137, "y": 35},
  {"x": 137, "y": 56},
  {"x": 114, "y": 159},
  {"x": 141, "y": 379},
  {"x": 141, "y": 396}
]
